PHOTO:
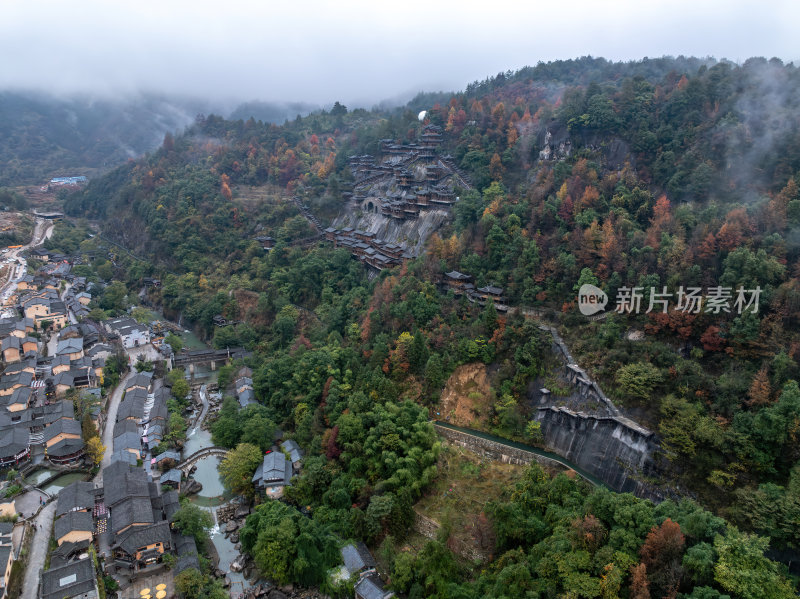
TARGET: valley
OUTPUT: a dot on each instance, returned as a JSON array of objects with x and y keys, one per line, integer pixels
[{"x": 391, "y": 375}]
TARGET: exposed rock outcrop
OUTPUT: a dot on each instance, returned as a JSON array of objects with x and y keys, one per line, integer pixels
[{"x": 587, "y": 429}]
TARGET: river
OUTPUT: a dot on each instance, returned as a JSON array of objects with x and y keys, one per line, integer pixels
[{"x": 212, "y": 496}]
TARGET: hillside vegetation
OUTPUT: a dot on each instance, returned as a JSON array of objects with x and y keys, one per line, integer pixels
[{"x": 657, "y": 173}]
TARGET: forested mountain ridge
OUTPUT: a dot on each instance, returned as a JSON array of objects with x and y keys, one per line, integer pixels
[
  {"x": 655, "y": 173},
  {"x": 44, "y": 135}
]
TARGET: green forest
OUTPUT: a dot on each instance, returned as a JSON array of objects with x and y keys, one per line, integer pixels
[{"x": 660, "y": 173}]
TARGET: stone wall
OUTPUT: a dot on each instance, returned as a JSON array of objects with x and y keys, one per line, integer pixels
[{"x": 492, "y": 450}]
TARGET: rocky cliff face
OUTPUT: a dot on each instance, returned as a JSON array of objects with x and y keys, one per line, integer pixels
[
  {"x": 587, "y": 429},
  {"x": 413, "y": 233},
  {"x": 617, "y": 452}
]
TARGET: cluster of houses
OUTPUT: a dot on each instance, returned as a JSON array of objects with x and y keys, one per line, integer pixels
[
  {"x": 367, "y": 248},
  {"x": 461, "y": 284},
  {"x": 140, "y": 427},
  {"x": 128, "y": 445},
  {"x": 42, "y": 305},
  {"x": 37, "y": 295},
  {"x": 77, "y": 300},
  {"x": 36, "y": 422},
  {"x": 128, "y": 517},
  {"x": 409, "y": 178}
]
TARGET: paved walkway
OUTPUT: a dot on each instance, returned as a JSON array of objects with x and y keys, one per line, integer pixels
[
  {"x": 70, "y": 313},
  {"x": 29, "y": 502},
  {"x": 108, "y": 430},
  {"x": 39, "y": 548}
]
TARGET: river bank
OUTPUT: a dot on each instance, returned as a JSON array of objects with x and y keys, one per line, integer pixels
[{"x": 212, "y": 496}]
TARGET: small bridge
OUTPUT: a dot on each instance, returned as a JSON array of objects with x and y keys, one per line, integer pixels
[
  {"x": 208, "y": 356},
  {"x": 198, "y": 455},
  {"x": 49, "y": 215}
]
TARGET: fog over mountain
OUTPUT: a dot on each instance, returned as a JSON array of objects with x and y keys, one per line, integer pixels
[{"x": 357, "y": 52}]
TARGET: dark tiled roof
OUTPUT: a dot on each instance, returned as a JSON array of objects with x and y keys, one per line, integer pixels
[
  {"x": 171, "y": 476},
  {"x": 21, "y": 395},
  {"x": 168, "y": 455},
  {"x": 357, "y": 557},
  {"x": 186, "y": 548},
  {"x": 490, "y": 289},
  {"x": 275, "y": 470},
  {"x": 67, "y": 426},
  {"x": 72, "y": 580},
  {"x": 170, "y": 503},
  {"x": 132, "y": 406},
  {"x": 141, "y": 536},
  {"x": 293, "y": 449},
  {"x": 22, "y": 378},
  {"x": 246, "y": 397},
  {"x": 14, "y": 441},
  {"x": 73, "y": 521},
  {"x": 370, "y": 587},
  {"x": 124, "y": 456},
  {"x": 457, "y": 276},
  {"x": 141, "y": 379},
  {"x": 70, "y": 345},
  {"x": 61, "y": 555},
  {"x": 121, "y": 481},
  {"x": 10, "y": 343},
  {"x": 128, "y": 441},
  {"x": 125, "y": 426},
  {"x": 65, "y": 447},
  {"x": 132, "y": 510},
  {"x": 77, "y": 496},
  {"x": 5, "y": 557}
]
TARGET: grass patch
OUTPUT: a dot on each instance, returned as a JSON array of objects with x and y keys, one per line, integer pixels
[
  {"x": 465, "y": 485},
  {"x": 558, "y": 388}
]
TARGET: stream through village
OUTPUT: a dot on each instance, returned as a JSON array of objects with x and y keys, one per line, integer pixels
[{"x": 213, "y": 493}]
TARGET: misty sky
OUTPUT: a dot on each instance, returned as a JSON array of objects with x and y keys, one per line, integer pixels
[{"x": 358, "y": 52}]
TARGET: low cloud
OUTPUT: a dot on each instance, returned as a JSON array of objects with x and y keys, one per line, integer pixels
[{"x": 358, "y": 52}]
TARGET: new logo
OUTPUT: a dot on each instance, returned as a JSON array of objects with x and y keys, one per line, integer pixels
[{"x": 591, "y": 299}]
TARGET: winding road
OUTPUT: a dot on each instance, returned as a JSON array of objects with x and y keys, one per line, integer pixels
[{"x": 41, "y": 231}]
